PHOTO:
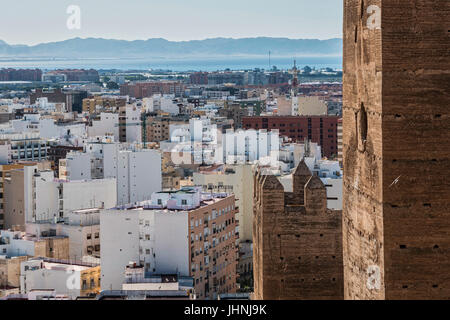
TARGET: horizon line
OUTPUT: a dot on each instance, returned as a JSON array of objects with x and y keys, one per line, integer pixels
[{"x": 160, "y": 38}]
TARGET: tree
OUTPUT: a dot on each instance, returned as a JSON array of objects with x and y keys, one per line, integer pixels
[
  {"x": 307, "y": 70},
  {"x": 112, "y": 85}
]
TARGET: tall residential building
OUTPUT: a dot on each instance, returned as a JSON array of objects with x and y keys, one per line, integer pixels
[
  {"x": 236, "y": 179},
  {"x": 130, "y": 127},
  {"x": 107, "y": 124},
  {"x": 103, "y": 103},
  {"x": 5, "y": 172},
  {"x": 157, "y": 128},
  {"x": 396, "y": 149},
  {"x": 165, "y": 104},
  {"x": 297, "y": 241},
  {"x": 136, "y": 172},
  {"x": 33, "y": 195},
  {"x": 185, "y": 232},
  {"x": 58, "y": 152}
]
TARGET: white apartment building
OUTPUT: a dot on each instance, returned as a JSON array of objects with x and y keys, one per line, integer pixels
[
  {"x": 163, "y": 103},
  {"x": 196, "y": 141},
  {"x": 48, "y": 199},
  {"x": 47, "y": 128},
  {"x": 138, "y": 175},
  {"x": 157, "y": 239},
  {"x": 57, "y": 275},
  {"x": 137, "y": 172},
  {"x": 82, "y": 227},
  {"x": 21, "y": 244},
  {"x": 157, "y": 285},
  {"x": 130, "y": 126},
  {"x": 107, "y": 125},
  {"x": 198, "y": 130},
  {"x": 23, "y": 147},
  {"x": 77, "y": 195},
  {"x": 17, "y": 244},
  {"x": 201, "y": 143},
  {"x": 44, "y": 105},
  {"x": 177, "y": 232},
  {"x": 249, "y": 146}
]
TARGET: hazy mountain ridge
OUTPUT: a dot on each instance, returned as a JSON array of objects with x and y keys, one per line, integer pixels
[{"x": 109, "y": 48}]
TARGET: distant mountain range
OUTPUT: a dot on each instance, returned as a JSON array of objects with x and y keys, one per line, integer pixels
[{"x": 160, "y": 48}]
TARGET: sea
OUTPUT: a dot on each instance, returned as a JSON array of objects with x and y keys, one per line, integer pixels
[{"x": 178, "y": 65}]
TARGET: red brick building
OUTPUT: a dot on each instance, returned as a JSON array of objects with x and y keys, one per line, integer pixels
[
  {"x": 141, "y": 90},
  {"x": 199, "y": 78},
  {"x": 318, "y": 129},
  {"x": 20, "y": 74}
]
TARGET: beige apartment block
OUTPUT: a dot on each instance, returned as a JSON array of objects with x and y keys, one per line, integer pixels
[{"x": 236, "y": 179}]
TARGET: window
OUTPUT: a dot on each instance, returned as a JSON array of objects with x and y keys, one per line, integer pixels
[
  {"x": 97, "y": 235},
  {"x": 89, "y": 236},
  {"x": 184, "y": 202}
]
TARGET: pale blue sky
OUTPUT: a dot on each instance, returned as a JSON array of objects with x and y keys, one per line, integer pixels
[{"x": 35, "y": 21}]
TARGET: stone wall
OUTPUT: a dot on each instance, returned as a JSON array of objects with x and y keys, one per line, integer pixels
[
  {"x": 396, "y": 132},
  {"x": 297, "y": 251}
]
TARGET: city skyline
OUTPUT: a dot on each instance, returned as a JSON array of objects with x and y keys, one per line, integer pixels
[{"x": 239, "y": 152}]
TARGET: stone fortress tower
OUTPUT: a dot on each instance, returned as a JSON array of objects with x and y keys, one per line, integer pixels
[
  {"x": 297, "y": 241},
  {"x": 396, "y": 135}
]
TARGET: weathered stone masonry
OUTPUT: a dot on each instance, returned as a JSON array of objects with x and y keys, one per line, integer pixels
[
  {"x": 297, "y": 241},
  {"x": 396, "y": 133}
]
